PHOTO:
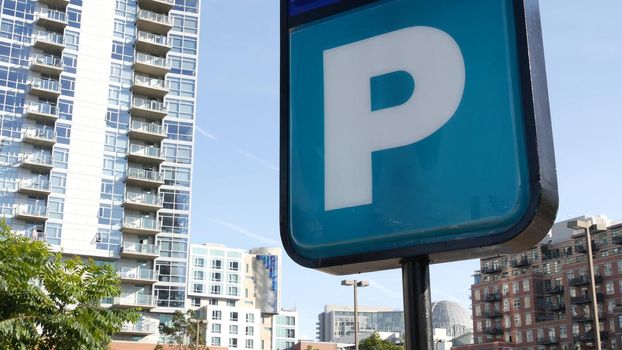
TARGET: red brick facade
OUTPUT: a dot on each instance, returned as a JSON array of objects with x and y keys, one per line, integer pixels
[{"x": 541, "y": 299}]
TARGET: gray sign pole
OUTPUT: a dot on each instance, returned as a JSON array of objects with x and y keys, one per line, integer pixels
[{"x": 417, "y": 304}]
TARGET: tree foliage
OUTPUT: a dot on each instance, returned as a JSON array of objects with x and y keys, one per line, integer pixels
[
  {"x": 181, "y": 332},
  {"x": 374, "y": 342},
  {"x": 47, "y": 302}
]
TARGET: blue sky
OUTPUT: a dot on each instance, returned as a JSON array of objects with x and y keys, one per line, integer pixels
[{"x": 235, "y": 184}]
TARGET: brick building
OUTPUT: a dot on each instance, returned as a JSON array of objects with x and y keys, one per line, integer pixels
[{"x": 541, "y": 299}]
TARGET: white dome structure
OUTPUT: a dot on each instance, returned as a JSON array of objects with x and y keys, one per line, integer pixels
[{"x": 451, "y": 316}]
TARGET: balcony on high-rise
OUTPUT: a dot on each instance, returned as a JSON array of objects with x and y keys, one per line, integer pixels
[
  {"x": 137, "y": 275},
  {"x": 144, "y": 178},
  {"x": 157, "y": 5},
  {"x": 145, "y": 202},
  {"x": 36, "y": 186},
  {"x": 136, "y": 250},
  {"x": 149, "y": 86},
  {"x": 39, "y": 136},
  {"x": 142, "y": 328},
  {"x": 41, "y": 111},
  {"x": 132, "y": 300},
  {"x": 151, "y": 132},
  {"x": 32, "y": 212},
  {"x": 152, "y": 43},
  {"x": 40, "y": 160},
  {"x": 145, "y": 154},
  {"x": 46, "y": 64},
  {"x": 151, "y": 65},
  {"x": 140, "y": 225},
  {"x": 150, "y": 109},
  {"x": 55, "y": 3},
  {"x": 153, "y": 22},
  {"x": 48, "y": 41},
  {"x": 46, "y": 88},
  {"x": 52, "y": 19}
]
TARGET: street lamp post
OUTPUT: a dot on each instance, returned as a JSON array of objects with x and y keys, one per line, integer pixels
[
  {"x": 588, "y": 227},
  {"x": 355, "y": 284}
]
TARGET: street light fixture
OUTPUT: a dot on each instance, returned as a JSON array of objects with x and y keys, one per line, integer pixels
[
  {"x": 588, "y": 227},
  {"x": 355, "y": 285}
]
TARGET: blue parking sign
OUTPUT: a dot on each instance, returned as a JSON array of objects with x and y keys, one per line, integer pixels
[{"x": 411, "y": 128}]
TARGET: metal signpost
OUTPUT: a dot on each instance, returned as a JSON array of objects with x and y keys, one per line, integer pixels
[{"x": 413, "y": 132}]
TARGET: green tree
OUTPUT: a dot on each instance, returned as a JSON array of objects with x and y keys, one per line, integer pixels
[
  {"x": 181, "y": 332},
  {"x": 47, "y": 302},
  {"x": 374, "y": 342}
]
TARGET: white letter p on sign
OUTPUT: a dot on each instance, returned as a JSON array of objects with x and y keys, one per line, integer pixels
[{"x": 352, "y": 130}]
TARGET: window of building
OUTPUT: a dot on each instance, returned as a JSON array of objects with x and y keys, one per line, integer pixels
[
  {"x": 528, "y": 319},
  {"x": 506, "y": 305},
  {"x": 216, "y": 315},
  {"x": 233, "y": 329},
  {"x": 249, "y": 343},
  {"x": 196, "y": 302},
  {"x": 197, "y": 287},
  {"x": 233, "y": 316},
  {"x": 199, "y": 262},
  {"x": 476, "y": 295},
  {"x": 215, "y": 326},
  {"x": 518, "y": 337},
  {"x": 213, "y": 301},
  {"x": 250, "y": 318},
  {"x": 505, "y": 289},
  {"x": 515, "y": 287},
  {"x": 215, "y": 289},
  {"x": 250, "y": 331},
  {"x": 171, "y": 271},
  {"x": 169, "y": 296},
  {"x": 216, "y": 277},
  {"x": 233, "y": 342},
  {"x": 609, "y": 287},
  {"x": 527, "y": 302},
  {"x": 233, "y": 291},
  {"x": 607, "y": 271},
  {"x": 173, "y": 247},
  {"x": 53, "y": 233},
  {"x": 529, "y": 336},
  {"x": 234, "y": 265},
  {"x": 234, "y": 278},
  {"x": 198, "y": 275},
  {"x": 563, "y": 332},
  {"x": 216, "y": 341},
  {"x": 176, "y": 153},
  {"x": 517, "y": 320},
  {"x": 217, "y": 264},
  {"x": 516, "y": 303}
]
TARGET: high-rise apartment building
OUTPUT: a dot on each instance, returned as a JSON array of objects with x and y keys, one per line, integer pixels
[
  {"x": 542, "y": 298},
  {"x": 97, "y": 105},
  {"x": 241, "y": 291}
]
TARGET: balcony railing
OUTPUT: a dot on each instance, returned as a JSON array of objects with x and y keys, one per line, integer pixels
[
  {"x": 138, "y": 274},
  {"x": 134, "y": 248},
  {"x": 144, "y": 198},
  {"x": 32, "y": 211},
  {"x": 146, "y": 152},
  {"x": 48, "y": 40},
  {"x": 585, "y": 299},
  {"x": 160, "y": 65},
  {"x": 491, "y": 297},
  {"x": 146, "y": 85},
  {"x": 548, "y": 341},
  {"x": 52, "y": 18},
  {"x": 38, "y": 159},
  {"x": 148, "y": 128},
  {"x": 521, "y": 262},
  {"x": 151, "y": 109},
  {"x": 616, "y": 239},
  {"x": 45, "y": 87},
  {"x": 493, "y": 330},
  {"x": 492, "y": 314},
  {"x": 134, "y": 300},
  {"x": 36, "y": 184},
  {"x": 144, "y": 175},
  {"x": 42, "y": 110},
  {"x": 50, "y": 63},
  {"x": 584, "y": 280},
  {"x": 554, "y": 289},
  {"x": 155, "y": 39},
  {"x": 139, "y": 328},
  {"x": 491, "y": 269},
  {"x": 40, "y": 136},
  {"x": 141, "y": 224},
  {"x": 554, "y": 306}
]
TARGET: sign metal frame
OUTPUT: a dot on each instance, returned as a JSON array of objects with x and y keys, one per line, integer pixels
[{"x": 543, "y": 199}]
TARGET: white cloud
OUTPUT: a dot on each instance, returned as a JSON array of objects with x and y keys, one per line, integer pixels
[{"x": 246, "y": 232}]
